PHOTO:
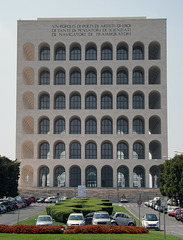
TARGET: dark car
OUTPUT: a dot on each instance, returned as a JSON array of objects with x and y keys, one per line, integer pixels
[
  {"x": 88, "y": 218},
  {"x": 9, "y": 205},
  {"x": 178, "y": 213},
  {"x": 41, "y": 200}
]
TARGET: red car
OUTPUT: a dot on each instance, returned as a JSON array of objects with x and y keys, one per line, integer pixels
[{"x": 173, "y": 212}]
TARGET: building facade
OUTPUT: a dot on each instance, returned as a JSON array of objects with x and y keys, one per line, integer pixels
[{"x": 91, "y": 102}]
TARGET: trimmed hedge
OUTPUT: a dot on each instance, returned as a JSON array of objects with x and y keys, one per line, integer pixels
[{"x": 60, "y": 212}]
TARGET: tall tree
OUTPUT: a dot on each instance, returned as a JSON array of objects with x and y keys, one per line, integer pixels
[
  {"x": 9, "y": 175},
  {"x": 171, "y": 178}
]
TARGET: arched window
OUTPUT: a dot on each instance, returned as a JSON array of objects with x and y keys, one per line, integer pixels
[
  {"x": 106, "y": 126},
  {"x": 75, "y": 101},
  {"x": 122, "y": 53},
  {"x": 107, "y": 151},
  {"x": 75, "y": 176},
  {"x": 138, "y": 53},
  {"x": 45, "y": 53},
  {"x": 122, "y": 77},
  {"x": 44, "y": 101},
  {"x": 75, "y": 126},
  {"x": 44, "y": 126},
  {"x": 154, "y": 100},
  {"x": 44, "y": 177},
  {"x": 154, "y": 125},
  {"x": 91, "y": 101},
  {"x": 59, "y": 78},
  {"x": 123, "y": 176},
  {"x": 138, "y": 126},
  {"x": 138, "y": 77},
  {"x": 122, "y": 101},
  {"x": 44, "y": 78},
  {"x": 107, "y": 176},
  {"x": 106, "y": 77},
  {"x": 91, "y": 78},
  {"x": 106, "y": 101},
  {"x": 106, "y": 53},
  {"x": 91, "y": 150},
  {"x": 138, "y": 177},
  {"x": 91, "y": 126},
  {"x": 154, "y": 51},
  {"x": 59, "y": 152},
  {"x": 60, "y": 54},
  {"x": 154, "y": 75},
  {"x": 59, "y": 177},
  {"x": 59, "y": 126},
  {"x": 138, "y": 151},
  {"x": 75, "y": 78},
  {"x": 138, "y": 101},
  {"x": 91, "y": 53},
  {"x": 75, "y": 53},
  {"x": 44, "y": 150},
  {"x": 59, "y": 102},
  {"x": 155, "y": 150},
  {"x": 75, "y": 150},
  {"x": 122, "y": 126},
  {"x": 91, "y": 176},
  {"x": 122, "y": 151}
]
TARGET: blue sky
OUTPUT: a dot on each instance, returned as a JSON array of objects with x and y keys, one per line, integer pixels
[{"x": 11, "y": 11}]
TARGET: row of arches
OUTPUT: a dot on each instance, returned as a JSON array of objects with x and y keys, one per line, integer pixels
[
  {"x": 90, "y": 75},
  {"x": 92, "y": 150},
  {"x": 90, "y": 101},
  {"x": 106, "y": 51},
  {"x": 107, "y": 125},
  {"x": 106, "y": 177}
]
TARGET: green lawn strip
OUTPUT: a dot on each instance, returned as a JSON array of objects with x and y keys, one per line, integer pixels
[{"x": 153, "y": 235}]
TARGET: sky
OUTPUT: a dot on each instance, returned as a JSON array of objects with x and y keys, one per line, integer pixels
[{"x": 11, "y": 11}]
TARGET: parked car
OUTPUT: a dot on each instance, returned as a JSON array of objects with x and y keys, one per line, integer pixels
[
  {"x": 124, "y": 200},
  {"x": 120, "y": 218},
  {"x": 181, "y": 216},
  {"x": 88, "y": 218},
  {"x": 101, "y": 217},
  {"x": 41, "y": 200},
  {"x": 9, "y": 206},
  {"x": 2, "y": 208},
  {"x": 150, "y": 221},
  {"x": 50, "y": 200},
  {"x": 76, "y": 219},
  {"x": 178, "y": 213},
  {"x": 44, "y": 220},
  {"x": 172, "y": 213}
]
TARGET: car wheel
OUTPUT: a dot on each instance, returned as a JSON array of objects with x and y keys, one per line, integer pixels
[
  {"x": 114, "y": 223},
  {"x": 130, "y": 224}
]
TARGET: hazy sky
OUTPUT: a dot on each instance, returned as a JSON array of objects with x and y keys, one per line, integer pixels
[{"x": 11, "y": 11}]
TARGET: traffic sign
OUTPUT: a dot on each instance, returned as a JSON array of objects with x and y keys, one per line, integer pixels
[{"x": 139, "y": 202}]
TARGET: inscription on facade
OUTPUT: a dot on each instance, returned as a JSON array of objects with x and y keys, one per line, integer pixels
[{"x": 89, "y": 30}]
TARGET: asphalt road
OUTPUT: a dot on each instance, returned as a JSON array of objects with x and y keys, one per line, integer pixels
[
  {"x": 12, "y": 217},
  {"x": 172, "y": 226}
]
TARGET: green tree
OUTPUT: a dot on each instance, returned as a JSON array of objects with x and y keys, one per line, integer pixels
[
  {"x": 171, "y": 178},
  {"x": 9, "y": 175}
]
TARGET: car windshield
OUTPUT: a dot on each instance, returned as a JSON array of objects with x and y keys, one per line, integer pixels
[
  {"x": 44, "y": 219},
  {"x": 103, "y": 215},
  {"x": 76, "y": 217},
  {"x": 151, "y": 217}
]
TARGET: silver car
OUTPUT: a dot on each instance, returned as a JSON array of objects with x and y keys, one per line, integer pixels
[
  {"x": 120, "y": 218},
  {"x": 101, "y": 217},
  {"x": 75, "y": 219},
  {"x": 44, "y": 220}
]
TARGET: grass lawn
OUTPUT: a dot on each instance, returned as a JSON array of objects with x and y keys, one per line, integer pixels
[{"x": 153, "y": 235}]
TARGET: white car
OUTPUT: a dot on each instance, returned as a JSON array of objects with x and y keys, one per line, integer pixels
[
  {"x": 50, "y": 200},
  {"x": 150, "y": 221},
  {"x": 76, "y": 219},
  {"x": 44, "y": 220},
  {"x": 101, "y": 217}
]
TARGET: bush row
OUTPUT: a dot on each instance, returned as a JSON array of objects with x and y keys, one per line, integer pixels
[
  {"x": 88, "y": 229},
  {"x": 94, "y": 229},
  {"x": 61, "y": 211},
  {"x": 31, "y": 229}
]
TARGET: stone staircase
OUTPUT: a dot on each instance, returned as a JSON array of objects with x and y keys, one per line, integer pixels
[{"x": 113, "y": 194}]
